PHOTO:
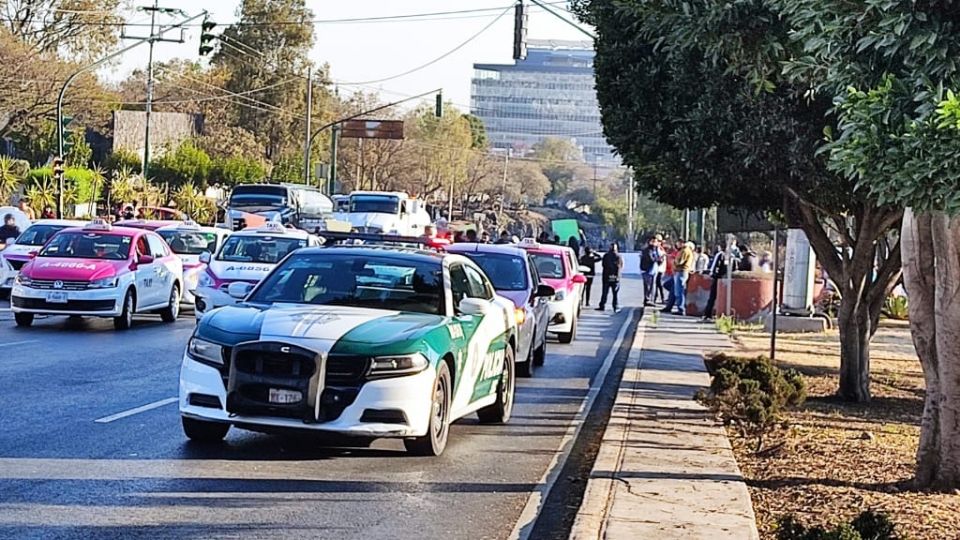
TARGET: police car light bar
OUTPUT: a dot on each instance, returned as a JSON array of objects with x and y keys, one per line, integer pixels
[
  {"x": 332, "y": 238},
  {"x": 98, "y": 224}
]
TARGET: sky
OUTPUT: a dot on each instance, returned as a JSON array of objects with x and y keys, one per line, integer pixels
[{"x": 359, "y": 52}]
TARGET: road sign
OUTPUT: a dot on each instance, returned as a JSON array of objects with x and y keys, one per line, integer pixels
[{"x": 372, "y": 129}]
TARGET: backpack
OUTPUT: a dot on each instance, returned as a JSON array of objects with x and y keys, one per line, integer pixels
[{"x": 646, "y": 260}]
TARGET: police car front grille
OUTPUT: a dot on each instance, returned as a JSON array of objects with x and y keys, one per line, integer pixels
[
  {"x": 344, "y": 370},
  {"x": 64, "y": 284}
]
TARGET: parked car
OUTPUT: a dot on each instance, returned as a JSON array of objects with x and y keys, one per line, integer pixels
[
  {"x": 559, "y": 268},
  {"x": 514, "y": 276}
]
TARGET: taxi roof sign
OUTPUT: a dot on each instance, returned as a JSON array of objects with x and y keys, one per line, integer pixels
[
  {"x": 529, "y": 242},
  {"x": 98, "y": 224},
  {"x": 189, "y": 225},
  {"x": 272, "y": 227}
]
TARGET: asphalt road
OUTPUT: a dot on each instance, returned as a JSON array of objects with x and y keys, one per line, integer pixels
[{"x": 132, "y": 474}]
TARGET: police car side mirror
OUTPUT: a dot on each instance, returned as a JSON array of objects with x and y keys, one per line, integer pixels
[
  {"x": 205, "y": 257},
  {"x": 545, "y": 291},
  {"x": 473, "y": 306},
  {"x": 239, "y": 290}
]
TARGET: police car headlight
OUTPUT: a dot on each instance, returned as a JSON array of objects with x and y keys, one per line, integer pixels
[
  {"x": 205, "y": 351},
  {"x": 105, "y": 283},
  {"x": 394, "y": 366},
  {"x": 24, "y": 280},
  {"x": 205, "y": 280},
  {"x": 560, "y": 295}
]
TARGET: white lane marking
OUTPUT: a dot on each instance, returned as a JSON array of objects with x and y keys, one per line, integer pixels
[
  {"x": 524, "y": 525},
  {"x": 137, "y": 410},
  {"x": 20, "y": 342}
]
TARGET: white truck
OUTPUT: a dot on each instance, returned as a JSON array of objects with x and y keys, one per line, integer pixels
[{"x": 386, "y": 212}]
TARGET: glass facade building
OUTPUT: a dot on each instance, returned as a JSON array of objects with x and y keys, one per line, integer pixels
[{"x": 548, "y": 94}]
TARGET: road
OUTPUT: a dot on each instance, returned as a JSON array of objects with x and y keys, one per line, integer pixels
[{"x": 91, "y": 447}]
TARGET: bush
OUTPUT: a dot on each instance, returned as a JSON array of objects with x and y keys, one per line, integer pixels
[
  {"x": 236, "y": 170},
  {"x": 869, "y": 525},
  {"x": 123, "y": 159},
  {"x": 751, "y": 393},
  {"x": 897, "y": 307}
]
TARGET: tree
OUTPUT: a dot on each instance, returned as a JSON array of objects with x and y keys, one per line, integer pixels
[
  {"x": 264, "y": 50},
  {"x": 526, "y": 184},
  {"x": 561, "y": 161},
  {"x": 123, "y": 159},
  {"x": 439, "y": 150},
  {"x": 694, "y": 98},
  {"x": 235, "y": 170},
  {"x": 185, "y": 164},
  {"x": 478, "y": 131},
  {"x": 10, "y": 180},
  {"x": 891, "y": 66},
  {"x": 192, "y": 201},
  {"x": 82, "y": 29}
]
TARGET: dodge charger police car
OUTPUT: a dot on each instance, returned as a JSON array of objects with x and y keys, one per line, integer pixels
[{"x": 363, "y": 341}]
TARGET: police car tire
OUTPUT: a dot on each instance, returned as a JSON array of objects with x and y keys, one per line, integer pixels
[
  {"x": 125, "y": 320},
  {"x": 567, "y": 337},
  {"x": 23, "y": 319},
  {"x": 169, "y": 313},
  {"x": 202, "y": 431},
  {"x": 499, "y": 412},
  {"x": 435, "y": 440}
]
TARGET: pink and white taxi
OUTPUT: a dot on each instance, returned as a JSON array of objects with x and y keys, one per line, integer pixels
[
  {"x": 101, "y": 271},
  {"x": 246, "y": 256},
  {"x": 15, "y": 255},
  {"x": 190, "y": 241},
  {"x": 558, "y": 267}
]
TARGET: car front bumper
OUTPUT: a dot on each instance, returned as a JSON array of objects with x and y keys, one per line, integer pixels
[
  {"x": 409, "y": 394},
  {"x": 562, "y": 313},
  {"x": 94, "y": 302}
]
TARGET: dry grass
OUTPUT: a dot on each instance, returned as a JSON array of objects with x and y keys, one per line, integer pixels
[{"x": 838, "y": 459}]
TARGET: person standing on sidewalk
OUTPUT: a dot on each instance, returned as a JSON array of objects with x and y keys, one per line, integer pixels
[
  {"x": 718, "y": 269},
  {"x": 650, "y": 257},
  {"x": 666, "y": 254},
  {"x": 683, "y": 265},
  {"x": 612, "y": 264},
  {"x": 589, "y": 259}
]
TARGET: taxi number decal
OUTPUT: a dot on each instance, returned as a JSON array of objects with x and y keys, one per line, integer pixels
[{"x": 148, "y": 282}]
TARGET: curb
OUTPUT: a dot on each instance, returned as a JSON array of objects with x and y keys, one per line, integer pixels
[{"x": 598, "y": 498}]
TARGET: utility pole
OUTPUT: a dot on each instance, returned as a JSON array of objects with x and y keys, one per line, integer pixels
[
  {"x": 334, "y": 140},
  {"x": 153, "y": 38},
  {"x": 306, "y": 136},
  {"x": 595, "y": 161},
  {"x": 503, "y": 187},
  {"x": 631, "y": 209}
]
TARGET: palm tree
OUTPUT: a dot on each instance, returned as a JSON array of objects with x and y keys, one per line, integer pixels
[
  {"x": 193, "y": 202},
  {"x": 10, "y": 180},
  {"x": 123, "y": 189},
  {"x": 97, "y": 179},
  {"x": 42, "y": 194}
]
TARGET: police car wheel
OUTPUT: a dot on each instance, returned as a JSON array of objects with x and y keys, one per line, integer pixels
[
  {"x": 170, "y": 313},
  {"x": 23, "y": 319},
  {"x": 499, "y": 412},
  {"x": 433, "y": 443},
  {"x": 125, "y": 320},
  {"x": 202, "y": 431}
]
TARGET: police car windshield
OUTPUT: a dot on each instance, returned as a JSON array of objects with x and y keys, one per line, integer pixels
[
  {"x": 359, "y": 280},
  {"x": 190, "y": 242},
  {"x": 549, "y": 265},
  {"x": 88, "y": 245},
  {"x": 505, "y": 271},
  {"x": 37, "y": 235},
  {"x": 259, "y": 248},
  {"x": 377, "y": 204}
]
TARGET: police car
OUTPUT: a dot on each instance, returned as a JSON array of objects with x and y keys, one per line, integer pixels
[
  {"x": 15, "y": 255},
  {"x": 100, "y": 271},
  {"x": 363, "y": 341},
  {"x": 189, "y": 241},
  {"x": 245, "y": 257}
]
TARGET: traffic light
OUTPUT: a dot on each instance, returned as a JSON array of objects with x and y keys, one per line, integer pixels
[
  {"x": 520, "y": 31},
  {"x": 206, "y": 38},
  {"x": 438, "y": 111},
  {"x": 57, "y": 167}
]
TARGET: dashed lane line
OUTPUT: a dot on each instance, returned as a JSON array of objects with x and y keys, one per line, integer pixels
[{"x": 137, "y": 410}]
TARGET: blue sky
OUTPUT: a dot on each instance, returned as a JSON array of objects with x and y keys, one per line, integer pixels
[{"x": 368, "y": 51}]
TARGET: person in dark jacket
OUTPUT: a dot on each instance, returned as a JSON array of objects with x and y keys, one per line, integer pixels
[
  {"x": 718, "y": 269},
  {"x": 9, "y": 229},
  {"x": 612, "y": 264},
  {"x": 589, "y": 259}
]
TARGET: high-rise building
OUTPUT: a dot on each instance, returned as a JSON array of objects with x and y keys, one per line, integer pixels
[{"x": 550, "y": 93}]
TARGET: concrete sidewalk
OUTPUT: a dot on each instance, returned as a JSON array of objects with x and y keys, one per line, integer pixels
[{"x": 665, "y": 468}]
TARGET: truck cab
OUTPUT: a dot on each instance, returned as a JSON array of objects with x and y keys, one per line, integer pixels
[{"x": 386, "y": 212}]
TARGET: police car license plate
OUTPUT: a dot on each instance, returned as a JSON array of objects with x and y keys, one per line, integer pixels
[
  {"x": 57, "y": 297},
  {"x": 281, "y": 396}
]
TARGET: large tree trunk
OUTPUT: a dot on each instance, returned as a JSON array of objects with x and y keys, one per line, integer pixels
[
  {"x": 854, "y": 321},
  {"x": 946, "y": 243},
  {"x": 916, "y": 243}
]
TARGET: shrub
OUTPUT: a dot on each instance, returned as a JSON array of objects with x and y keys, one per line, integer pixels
[
  {"x": 123, "y": 159},
  {"x": 869, "y": 525},
  {"x": 750, "y": 393},
  {"x": 897, "y": 307}
]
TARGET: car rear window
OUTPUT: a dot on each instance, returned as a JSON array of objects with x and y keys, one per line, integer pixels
[{"x": 506, "y": 272}]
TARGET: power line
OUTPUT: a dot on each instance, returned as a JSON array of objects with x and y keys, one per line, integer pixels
[{"x": 442, "y": 56}]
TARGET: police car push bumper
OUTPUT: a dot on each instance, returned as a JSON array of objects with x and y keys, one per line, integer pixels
[{"x": 405, "y": 398}]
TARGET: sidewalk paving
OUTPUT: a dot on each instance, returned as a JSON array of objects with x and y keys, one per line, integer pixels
[{"x": 665, "y": 468}]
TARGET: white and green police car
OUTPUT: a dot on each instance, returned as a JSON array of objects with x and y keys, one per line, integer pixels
[{"x": 364, "y": 341}]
